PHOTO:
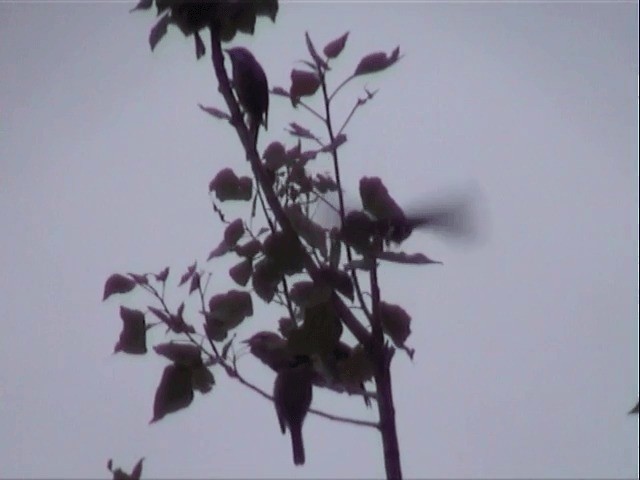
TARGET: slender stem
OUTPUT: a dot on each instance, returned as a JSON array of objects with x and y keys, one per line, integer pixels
[
  {"x": 346, "y": 80},
  {"x": 336, "y": 170}
]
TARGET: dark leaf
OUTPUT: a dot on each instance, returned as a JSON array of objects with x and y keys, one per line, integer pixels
[
  {"x": 334, "y": 48},
  {"x": 164, "y": 317},
  {"x": 234, "y": 232},
  {"x": 285, "y": 253},
  {"x": 162, "y": 276},
  {"x": 231, "y": 308},
  {"x": 133, "y": 337},
  {"x": 139, "y": 279},
  {"x": 320, "y": 63},
  {"x": 241, "y": 272},
  {"x": 337, "y": 142},
  {"x": 225, "y": 349},
  {"x": 395, "y": 322},
  {"x": 117, "y": 283},
  {"x": 136, "y": 473},
  {"x": 303, "y": 84},
  {"x": 174, "y": 392},
  {"x": 376, "y": 62},
  {"x": 185, "y": 354},
  {"x": 195, "y": 283},
  {"x": 215, "y": 328},
  {"x": 159, "y": 30},
  {"x": 188, "y": 274},
  {"x": 216, "y": 113},
  {"x": 298, "y": 131},
  {"x": 142, "y": 5},
  {"x": 306, "y": 294},
  {"x": 285, "y": 326},
  {"x": 634, "y": 410},
  {"x": 219, "y": 251},
  {"x": 249, "y": 249},
  {"x": 324, "y": 184},
  {"x": 338, "y": 280},
  {"x": 200, "y": 48},
  {"x": 401, "y": 257},
  {"x": 265, "y": 279},
  {"x": 280, "y": 91},
  {"x": 275, "y": 156},
  {"x": 227, "y": 186},
  {"x": 202, "y": 379}
]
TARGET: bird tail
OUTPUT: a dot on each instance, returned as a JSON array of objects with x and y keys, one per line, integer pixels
[{"x": 297, "y": 445}]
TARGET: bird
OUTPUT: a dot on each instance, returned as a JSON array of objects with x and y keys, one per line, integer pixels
[
  {"x": 271, "y": 349},
  {"x": 251, "y": 86},
  {"x": 292, "y": 395}
]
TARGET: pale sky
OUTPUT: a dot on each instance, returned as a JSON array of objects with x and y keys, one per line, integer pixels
[{"x": 527, "y": 341}]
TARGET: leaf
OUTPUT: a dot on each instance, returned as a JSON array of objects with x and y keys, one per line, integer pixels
[
  {"x": 401, "y": 257},
  {"x": 136, "y": 473},
  {"x": 142, "y": 5},
  {"x": 285, "y": 326},
  {"x": 320, "y": 63},
  {"x": 337, "y": 142},
  {"x": 634, "y": 410},
  {"x": 334, "y": 48},
  {"x": 396, "y": 323},
  {"x": 227, "y": 186},
  {"x": 311, "y": 232},
  {"x": 213, "y": 111},
  {"x": 303, "y": 84},
  {"x": 306, "y": 294},
  {"x": 338, "y": 280},
  {"x": 200, "y": 48},
  {"x": 265, "y": 279},
  {"x": 174, "y": 392},
  {"x": 195, "y": 283},
  {"x": 298, "y": 131},
  {"x": 185, "y": 354},
  {"x": 162, "y": 276},
  {"x": 188, "y": 274},
  {"x": 164, "y": 317},
  {"x": 133, "y": 337},
  {"x": 117, "y": 283},
  {"x": 275, "y": 156},
  {"x": 202, "y": 379},
  {"x": 231, "y": 308},
  {"x": 215, "y": 328},
  {"x": 376, "y": 62},
  {"x": 241, "y": 272},
  {"x": 249, "y": 249},
  {"x": 324, "y": 183},
  {"x": 139, "y": 279},
  {"x": 285, "y": 253},
  {"x": 234, "y": 232},
  {"x": 158, "y": 31},
  {"x": 280, "y": 91}
]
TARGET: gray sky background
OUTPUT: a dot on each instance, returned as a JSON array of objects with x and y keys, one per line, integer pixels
[{"x": 526, "y": 343}]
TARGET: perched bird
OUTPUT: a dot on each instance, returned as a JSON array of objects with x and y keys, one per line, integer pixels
[
  {"x": 251, "y": 87},
  {"x": 292, "y": 394},
  {"x": 271, "y": 349}
]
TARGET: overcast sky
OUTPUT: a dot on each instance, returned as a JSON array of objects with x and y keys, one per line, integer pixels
[{"x": 527, "y": 350}]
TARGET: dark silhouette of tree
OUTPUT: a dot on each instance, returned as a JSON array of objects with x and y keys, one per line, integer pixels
[{"x": 319, "y": 276}]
